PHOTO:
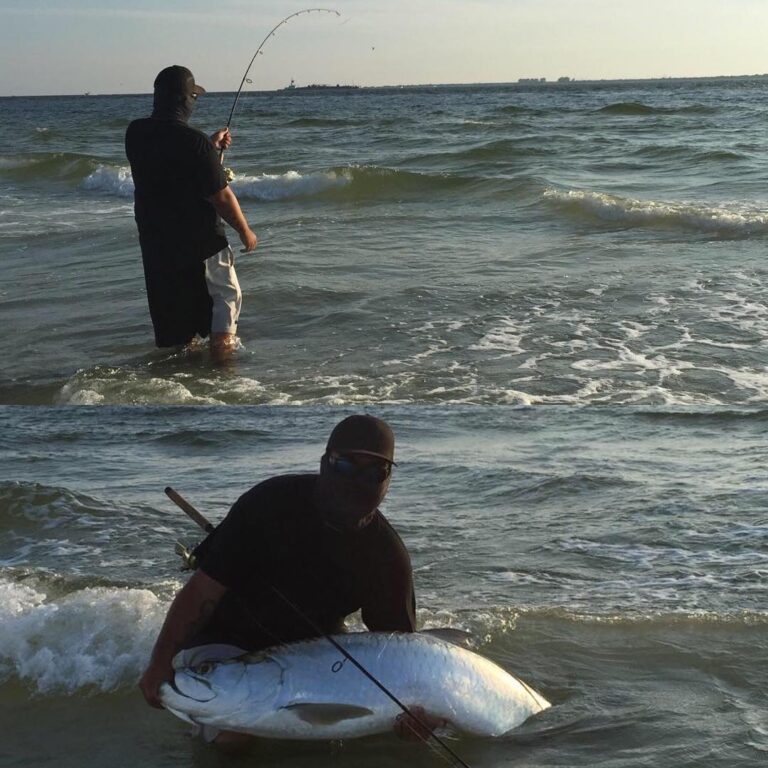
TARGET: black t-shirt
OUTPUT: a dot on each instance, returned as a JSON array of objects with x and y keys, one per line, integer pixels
[
  {"x": 274, "y": 536},
  {"x": 174, "y": 169}
]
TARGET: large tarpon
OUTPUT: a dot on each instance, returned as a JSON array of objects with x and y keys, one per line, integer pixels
[{"x": 308, "y": 690}]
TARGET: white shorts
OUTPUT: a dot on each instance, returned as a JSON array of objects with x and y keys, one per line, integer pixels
[{"x": 224, "y": 289}]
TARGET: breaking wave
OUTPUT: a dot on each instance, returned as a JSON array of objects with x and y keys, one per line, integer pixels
[
  {"x": 55, "y": 166},
  {"x": 354, "y": 182},
  {"x": 737, "y": 220},
  {"x": 113, "y": 181},
  {"x": 269, "y": 187},
  {"x": 92, "y": 639}
]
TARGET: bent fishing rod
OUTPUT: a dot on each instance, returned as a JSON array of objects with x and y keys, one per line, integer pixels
[
  {"x": 208, "y": 527},
  {"x": 270, "y": 34}
]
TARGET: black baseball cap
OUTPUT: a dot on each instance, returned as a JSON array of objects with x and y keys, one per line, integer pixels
[
  {"x": 177, "y": 80},
  {"x": 363, "y": 434}
]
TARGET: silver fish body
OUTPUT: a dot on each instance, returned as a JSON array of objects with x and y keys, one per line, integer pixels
[{"x": 308, "y": 690}]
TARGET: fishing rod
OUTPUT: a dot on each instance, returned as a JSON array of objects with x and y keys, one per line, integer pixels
[
  {"x": 203, "y": 522},
  {"x": 258, "y": 51}
]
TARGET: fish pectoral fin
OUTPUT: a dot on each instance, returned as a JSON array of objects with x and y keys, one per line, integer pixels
[{"x": 316, "y": 713}]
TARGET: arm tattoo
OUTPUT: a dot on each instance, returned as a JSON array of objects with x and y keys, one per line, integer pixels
[{"x": 207, "y": 608}]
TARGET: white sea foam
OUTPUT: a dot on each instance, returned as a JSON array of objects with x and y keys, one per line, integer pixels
[
  {"x": 731, "y": 219},
  {"x": 506, "y": 336},
  {"x": 126, "y": 386},
  {"x": 95, "y": 638},
  {"x": 520, "y": 578},
  {"x": 117, "y": 181},
  {"x": 627, "y": 360},
  {"x": 635, "y": 330},
  {"x": 648, "y": 557},
  {"x": 110, "y": 180},
  {"x": 744, "y": 312},
  {"x": 753, "y": 382},
  {"x": 291, "y": 184},
  {"x": 677, "y": 577}
]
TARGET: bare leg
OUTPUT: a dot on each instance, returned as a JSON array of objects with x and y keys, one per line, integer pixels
[
  {"x": 222, "y": 346},
  {"x": 222, "y": 340}
]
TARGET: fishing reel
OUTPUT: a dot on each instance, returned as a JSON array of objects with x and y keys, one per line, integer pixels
[
  {"x": 187, "y": 555},
  {"x": 229, "y": 175}
]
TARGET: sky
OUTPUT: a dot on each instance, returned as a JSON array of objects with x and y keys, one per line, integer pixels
[{"x": 108, "y": 46}]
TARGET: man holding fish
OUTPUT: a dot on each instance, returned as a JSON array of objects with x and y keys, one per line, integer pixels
[{"x": 294, "y": 557}]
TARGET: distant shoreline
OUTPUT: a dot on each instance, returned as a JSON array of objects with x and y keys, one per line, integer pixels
[{"x": 525, "y": 83}]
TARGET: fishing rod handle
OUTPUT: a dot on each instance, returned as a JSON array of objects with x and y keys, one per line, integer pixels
[{"x": 189, "y": 510}]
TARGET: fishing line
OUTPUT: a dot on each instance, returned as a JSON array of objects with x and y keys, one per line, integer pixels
[
  {"x": 203, "y": 522},
  {"x": 258, "y": 51}
]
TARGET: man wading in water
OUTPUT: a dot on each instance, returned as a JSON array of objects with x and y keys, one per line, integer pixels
[{"x": 181, "y": 196}]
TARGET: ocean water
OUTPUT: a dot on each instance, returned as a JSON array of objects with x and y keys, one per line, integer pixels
[
  {"x": 518, "y": 245},
  {"x": 556, "y": 294}
]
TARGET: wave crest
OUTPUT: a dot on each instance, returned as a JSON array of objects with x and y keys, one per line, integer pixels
[
  {"x": 269, "y": 187},
  {"x": 734, "y": 221},
  {"x": 117, "y": 182},
  {"x": 92, "y": 639},
  {"x": 635, "y": 108}
]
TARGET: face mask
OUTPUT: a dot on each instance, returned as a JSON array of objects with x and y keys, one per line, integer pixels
[
  {"x": 173, "y": 107},
  {"x": 348, "y": 502}
]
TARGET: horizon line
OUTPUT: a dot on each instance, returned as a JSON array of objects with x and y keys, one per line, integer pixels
[{"x": 526, "y": 81}]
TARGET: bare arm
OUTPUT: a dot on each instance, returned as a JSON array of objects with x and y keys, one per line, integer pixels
[
  {"x": 189, "y": 612},
  {"x": 226, "y": 205}
]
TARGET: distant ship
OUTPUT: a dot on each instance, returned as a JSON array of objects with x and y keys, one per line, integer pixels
[{"x": 317, "y": 87}]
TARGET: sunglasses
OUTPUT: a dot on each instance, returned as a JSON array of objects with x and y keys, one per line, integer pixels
[{"x": 374, "y": 474}]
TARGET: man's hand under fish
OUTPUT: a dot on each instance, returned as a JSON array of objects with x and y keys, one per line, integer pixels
[{"x": 413, "y": 728}]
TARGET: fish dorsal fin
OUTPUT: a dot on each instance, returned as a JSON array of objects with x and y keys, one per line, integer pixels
[
  {"x": 450, "y": 635},
  {"x": 322, "y": 713}
]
